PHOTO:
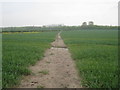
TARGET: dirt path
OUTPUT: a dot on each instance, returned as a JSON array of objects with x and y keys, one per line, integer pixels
[{"x": 56, "y": 70}]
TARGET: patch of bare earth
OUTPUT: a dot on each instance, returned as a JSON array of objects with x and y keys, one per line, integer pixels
[{"x": 56, "y": 70}]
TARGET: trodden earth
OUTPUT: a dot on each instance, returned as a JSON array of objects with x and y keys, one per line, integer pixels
[{"x": 55, "y": 70}]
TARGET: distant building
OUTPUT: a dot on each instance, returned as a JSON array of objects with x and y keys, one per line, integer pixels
[
  {"x": 91, "y": 23},
  {"x": 54, "y": 25}
]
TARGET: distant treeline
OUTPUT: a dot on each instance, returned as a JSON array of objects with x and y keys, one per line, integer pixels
[{"x": 56, "y": 28}]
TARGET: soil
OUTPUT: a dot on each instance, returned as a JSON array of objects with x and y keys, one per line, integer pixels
[{"x": 56, "y": 70}]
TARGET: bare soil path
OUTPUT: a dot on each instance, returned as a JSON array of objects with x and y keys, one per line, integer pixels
[{"x": 55, "y": 70}]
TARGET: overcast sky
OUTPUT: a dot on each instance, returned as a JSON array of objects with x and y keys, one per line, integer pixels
[{"x": 68, "y": 12}]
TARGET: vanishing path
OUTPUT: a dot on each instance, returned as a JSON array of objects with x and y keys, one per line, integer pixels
[{"x": 56, "y": 70}]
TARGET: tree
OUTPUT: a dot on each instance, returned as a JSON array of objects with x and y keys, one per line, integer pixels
[
  {"x": 84, "y": 24},
  {"x": 91, "y": 23}
]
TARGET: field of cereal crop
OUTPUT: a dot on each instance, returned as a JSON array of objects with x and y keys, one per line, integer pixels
[
  {"x": 96, "y": 55},
  {"x": 21, "y": 50}
]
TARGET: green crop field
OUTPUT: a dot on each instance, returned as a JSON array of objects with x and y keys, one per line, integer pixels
[
  {"x": 96, "y": 55},
  {"x": 21, "y": 50},
  {"x": 0, "y": 61}
]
